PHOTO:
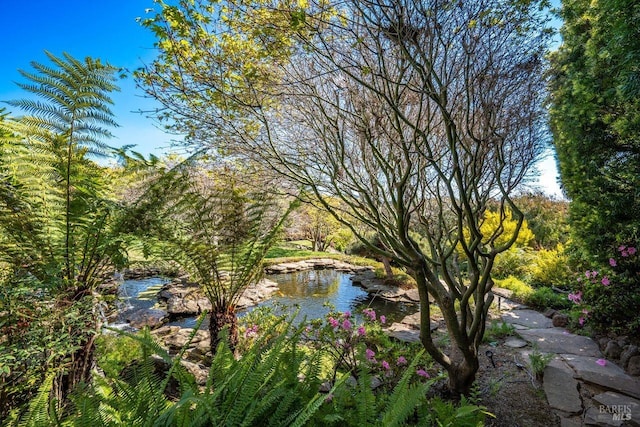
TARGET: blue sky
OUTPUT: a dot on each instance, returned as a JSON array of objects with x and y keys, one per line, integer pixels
[{"x": 106, "y": 29}]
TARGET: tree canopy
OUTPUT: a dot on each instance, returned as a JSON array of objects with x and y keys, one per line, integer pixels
[{"x": 415, "y": 115}]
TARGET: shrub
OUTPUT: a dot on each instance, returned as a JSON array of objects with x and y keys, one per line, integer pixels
[
  {"x": 607, "y": 300},
  {"x": 512, "y": 262},
  {"x": 521, "y": 290},
  {"x": 546, "y": 297},
  {"x": 549, "y": 267}
]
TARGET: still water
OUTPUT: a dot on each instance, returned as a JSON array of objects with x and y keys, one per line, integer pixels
[{"x": 312, "y": 292}]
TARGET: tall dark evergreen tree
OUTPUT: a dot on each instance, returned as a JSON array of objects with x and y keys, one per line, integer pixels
[{"x": 595, "y": 118}]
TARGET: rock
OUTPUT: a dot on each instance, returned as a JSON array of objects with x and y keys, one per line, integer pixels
[
  {"x": 152, "y": 318},
  {"x": 561, "y": 388},
  {"x": 560, "y": 320},
  {"x": 628, "y": 353},
  {"x": 623, "y": 341},
  {"x": 602, "y": 342},
  {"x": 528, "y": 318},
  {"x": 613, "y": 350},
  {"x": 258, "y": 292},
  {"x": 633, "y": 367},
  {"x": 609, "y": 376},
  {"x": 325, "y": 387},
  {"x": 615, "y": 403},
  {"x": 555, "y": 340},
  {"x": 593, "y": 417},
  {"x": 180, "y": 338},
  {"x": 513, "y": 342},
  {"x": 404, "y": 333},
  {"x": 412, "y": 295},
  {"x": 200, "y": 372},
  {"x": 571, "y": 422},
  {"x": 549, "y": 313}
]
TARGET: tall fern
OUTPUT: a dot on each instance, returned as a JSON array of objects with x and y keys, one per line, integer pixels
[
  {"x": 56, "y": 219},
  {"x": 217, "y": 226}
]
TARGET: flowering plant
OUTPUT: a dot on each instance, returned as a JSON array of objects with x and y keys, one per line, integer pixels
[
  {"x": 608, "y": 298},
  {"x": 357, "y": 342}
]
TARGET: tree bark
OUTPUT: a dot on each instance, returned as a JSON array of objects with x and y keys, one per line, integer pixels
[{"x": 219, "y": 319}]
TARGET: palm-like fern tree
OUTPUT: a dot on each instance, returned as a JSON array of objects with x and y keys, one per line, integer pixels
[
  {"x": 217, "y": 227},
  {"x": 55, "y": 216}
]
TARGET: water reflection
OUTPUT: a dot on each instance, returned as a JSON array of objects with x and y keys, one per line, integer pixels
[{"x": 312, "y": 292}]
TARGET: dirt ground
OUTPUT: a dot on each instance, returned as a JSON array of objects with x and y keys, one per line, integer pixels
[{"x": 510, "y": 393}]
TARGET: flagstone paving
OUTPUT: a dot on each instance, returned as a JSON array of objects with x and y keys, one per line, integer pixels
[{"x": 581, "y": 386}]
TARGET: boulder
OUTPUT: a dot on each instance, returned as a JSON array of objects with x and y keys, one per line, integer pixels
[
  {"x": 633, "y": 367},
  {"x": 153, "y": 318},
  {"x": 629, "y": 351},
  {"x": 560, "y": 320},
  {"x": 613, "y": 350}
]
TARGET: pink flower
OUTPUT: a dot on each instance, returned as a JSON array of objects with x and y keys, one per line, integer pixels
[
  {"x": 346, "y": 325},
  {"x": 581, "y": 321},
  {"x": 385, "y": 365},
  {"x": 370, "y": 313},
  {"x": 347, "y": 314},
  {"x": 631, "y": 250},
  {"x": 605, "y": 281},
  {"x": 585, "y": 312},
  {"x": 423, "y": 373},
  {"x": 621, "y": 248},
  {"x": 587, "y": 274},
  {"x": 369, "y": 354},
  {"x": 361, "y": 331},
  {"x": 576, "y": 298},
  {"x": 624, "y": 254},
  {"x": 383, "y": 319},
  {"x": 401, "y": 361},
  {"x": 612, "y": 262},
  {"x": 594, "y": 273},
  {"x": 333, "y": 322},
  {"x": 251, "y": 331},
  {"x": 601, "y": 362}
]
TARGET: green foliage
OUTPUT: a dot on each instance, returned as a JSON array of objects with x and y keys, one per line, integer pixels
[
  {"x": 547, "y": 218},
  {"x": 115, "y": 352},
  {"x": 513, "y": 262},
  {"x": 58, "y": 226},
  {"x": 521, "y": 290},
  {"x": 356, "y": 403},
  {"x": 539, "y": 361},
  {"x": 263, "y": 388},
  {"x": 497, "y": 330},
  {"x": 595, "y": 118},
  {"x": 545, "y": 297},
  {"x": 215, "y": 225},
  {"x": 606, "y": 299},
  {"x": 549, "y": 267},
  {"x": 447, "y": 414}
]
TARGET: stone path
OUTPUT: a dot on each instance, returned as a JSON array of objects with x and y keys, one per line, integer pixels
[{"x": 582, "y": 388}]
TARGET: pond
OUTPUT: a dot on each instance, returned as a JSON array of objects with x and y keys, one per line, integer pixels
[{"x": 313, "y": 292}]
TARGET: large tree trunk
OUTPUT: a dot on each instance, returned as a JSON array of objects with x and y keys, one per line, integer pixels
[
  {"x": 218, "y": 320},
  {"x": 462, "y": 362}
]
